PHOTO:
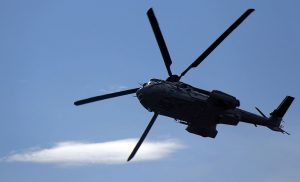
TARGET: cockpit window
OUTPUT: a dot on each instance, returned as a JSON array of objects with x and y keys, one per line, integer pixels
[{"x": 153, "y": 81}]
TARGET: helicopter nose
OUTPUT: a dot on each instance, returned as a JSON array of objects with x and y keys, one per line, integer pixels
[
  {"x": 142, "y": 94},
  {"x": 148, "y": 97},
  {"x": 139, "y": 94}
]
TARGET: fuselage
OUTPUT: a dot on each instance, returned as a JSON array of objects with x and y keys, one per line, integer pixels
[{"x": 201, "y": 110}]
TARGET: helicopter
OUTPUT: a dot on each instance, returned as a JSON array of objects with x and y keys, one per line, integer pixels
[{"x": 199, "y": 109}]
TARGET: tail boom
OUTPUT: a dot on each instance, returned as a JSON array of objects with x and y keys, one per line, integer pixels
[{"x": 273, "y": 122}]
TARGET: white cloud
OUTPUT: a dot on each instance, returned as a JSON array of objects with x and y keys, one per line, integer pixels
[{"x": 111, "y": 152}]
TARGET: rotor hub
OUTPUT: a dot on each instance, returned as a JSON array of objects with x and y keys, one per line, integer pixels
[{"x": 173, "y": 78}]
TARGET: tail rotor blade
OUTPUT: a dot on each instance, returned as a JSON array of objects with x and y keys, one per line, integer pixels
[
  {"x": 160, "y": 40},
  {"x": 260, "y": 112},
  {"x": 142, "y": 137},
  {"x": 218, "y": 41},
  {"x": 106, "y": 96}
]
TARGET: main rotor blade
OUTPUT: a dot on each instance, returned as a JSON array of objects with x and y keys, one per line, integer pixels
[
  {"x": 218, "y": 41},
  {"x": 106, "y": 96},
  {"x": 142, "y": 137},
  {"x": 160, "y": 40}
]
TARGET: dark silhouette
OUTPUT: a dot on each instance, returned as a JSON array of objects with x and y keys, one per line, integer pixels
[{"x": 199, "y": 109}]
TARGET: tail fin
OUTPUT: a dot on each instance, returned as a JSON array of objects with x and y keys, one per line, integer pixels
[
  {"x": 277, "y": 114},
  {"x": 282, "y": 108}
]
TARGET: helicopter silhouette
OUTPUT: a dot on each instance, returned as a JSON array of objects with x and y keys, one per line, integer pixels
[{"x": 199, "y": 109}]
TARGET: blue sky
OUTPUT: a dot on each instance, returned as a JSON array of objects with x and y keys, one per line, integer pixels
[{"x": 55, "y": 52}]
